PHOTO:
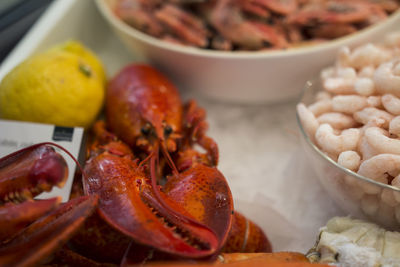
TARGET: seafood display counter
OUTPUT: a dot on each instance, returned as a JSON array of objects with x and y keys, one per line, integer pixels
[
  {"x": 261, "y": 157},
  {"x": 260, "y": 154}
]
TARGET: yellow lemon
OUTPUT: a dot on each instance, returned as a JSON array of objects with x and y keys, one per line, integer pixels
[
  {"x": 62, "y": 86},
  {"x": 86, "y": 55}
]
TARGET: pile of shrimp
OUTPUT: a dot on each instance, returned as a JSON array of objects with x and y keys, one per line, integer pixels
[
  {"x": 251, "y": 24},
  {"x": 355, "y": 120}
]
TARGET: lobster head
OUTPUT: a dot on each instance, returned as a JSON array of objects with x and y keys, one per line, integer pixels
[{"x": 144, "y": 108}]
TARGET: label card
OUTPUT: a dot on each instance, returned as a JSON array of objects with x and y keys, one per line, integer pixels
[{"x": 15, "y": 135}]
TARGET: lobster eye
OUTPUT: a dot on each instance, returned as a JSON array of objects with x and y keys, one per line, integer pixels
[
  {"x": 146, "y": 129},
  {"x": 167, "y": 130}
]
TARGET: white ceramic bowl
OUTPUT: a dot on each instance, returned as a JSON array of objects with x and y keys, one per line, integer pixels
[{"x": 242, "y": 77}]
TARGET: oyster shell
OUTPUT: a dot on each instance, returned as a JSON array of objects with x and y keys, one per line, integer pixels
[{"x": 350, "y": 242}]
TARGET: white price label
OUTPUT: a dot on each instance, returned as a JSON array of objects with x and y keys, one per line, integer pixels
[{"x": 15, "y": 135}]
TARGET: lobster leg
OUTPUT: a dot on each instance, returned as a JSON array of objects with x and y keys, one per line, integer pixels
[
  {"x": 195, "y": 128},
  {"x": 13, "y": 218},
  {"x": 36, "y": 242},
  {"x": 67, "y": 257},
  {"x": 98, "y": 241},
  {"x": 103, "y": 138}
]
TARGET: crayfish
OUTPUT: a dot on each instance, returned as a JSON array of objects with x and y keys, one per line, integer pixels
[{"x": 155, "y": 196}]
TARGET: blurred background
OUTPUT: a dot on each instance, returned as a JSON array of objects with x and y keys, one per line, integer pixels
[{"x": 16, "y": 18}]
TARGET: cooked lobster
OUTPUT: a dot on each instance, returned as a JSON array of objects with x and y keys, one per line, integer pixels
[
  {"x": 156, "y": 197},
  {"x": 154, "y": 186}
]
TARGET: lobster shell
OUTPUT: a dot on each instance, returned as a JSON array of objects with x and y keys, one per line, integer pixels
[{"x": 140, "y": 94}]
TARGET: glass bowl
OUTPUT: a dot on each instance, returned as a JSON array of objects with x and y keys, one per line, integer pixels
[{"x": 358, "y": 195}]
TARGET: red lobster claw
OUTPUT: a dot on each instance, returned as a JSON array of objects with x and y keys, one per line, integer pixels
[
  {"x": 204, "y": 192},
  {"x": 30, "y": 171},
  {"x": 127, "y": 203}
]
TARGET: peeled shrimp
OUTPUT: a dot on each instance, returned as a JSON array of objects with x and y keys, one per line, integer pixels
[
  {"x": 379, "y": 140},
  {"x": 396, "y": 183},
  {"x": 335, "y": 144},
  {"x": 387, "y": 197},
  {"x": 350, "y": 160},
  {"x": 308, "y": 121},
  {"x": 374, "y": 101},
  {"x": 337, "y": 120},
  {"x": 370, "y": 113},
  {"x": 364, "y": 86},
  {"x": 322, "y": 95},
  {"x": 374, "y": 122},
  {"x": 328, "y": 72},
  {"x": 365, "y": 55},
  {"x": 348, "y": 103},
  {"x": 366, "y": 72},
  {"x": 387, "y": 78},
  {"x": 343, "y": 56},
  {"x": 366, "y": 150},
  {"x": 341, "y": 81},
  {"x": 394, "y": 126},
  {"x": 357, "y": 192},
  {"x": 380, "y": 166},
  {"x": 391, "y": 103},
  {"x": 320, "y": 107},
  {"x": 339, "y": 85}
]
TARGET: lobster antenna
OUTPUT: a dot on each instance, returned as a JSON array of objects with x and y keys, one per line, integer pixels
[
  {"x": 169, "y": 160},
  {"x": 146, "y": 159}
]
